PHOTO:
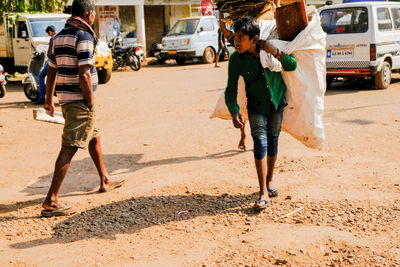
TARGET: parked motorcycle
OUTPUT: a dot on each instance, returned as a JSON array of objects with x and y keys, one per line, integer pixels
[
  {"x": 31, "y": 83},
  {"x": 3, "y": 82},
  {"x": 131, "y": 56},
  {"x": 155, "y": 51}
]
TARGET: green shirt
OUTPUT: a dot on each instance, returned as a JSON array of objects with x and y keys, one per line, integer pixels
[{"x": 265, "y": 89}]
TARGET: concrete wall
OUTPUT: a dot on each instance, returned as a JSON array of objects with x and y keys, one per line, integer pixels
[
  {"x": 128, "y": 19},
  {"x": 154, "y": 23},
  {"x": 173, "y": 13},
  {"x": 158, "y": 20}
]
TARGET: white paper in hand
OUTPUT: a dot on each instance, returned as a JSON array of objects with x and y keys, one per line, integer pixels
[{"x": 41, "y": 114}]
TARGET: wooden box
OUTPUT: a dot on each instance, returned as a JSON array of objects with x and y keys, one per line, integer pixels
[{"x": 290, "y": 20}]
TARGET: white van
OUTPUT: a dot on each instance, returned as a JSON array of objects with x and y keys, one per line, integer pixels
[
  {"x": 194, "y": 37},
  {"x": 363, "y": 40},
  {"x": 21, "y": 32}
]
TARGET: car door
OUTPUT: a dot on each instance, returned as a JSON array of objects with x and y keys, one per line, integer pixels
[
  {"x": 208, "y": 34},
  {"x": 21, "y": 44},
  {"x": 396, "y": 25},
  {"x": 386, "y": 41}
]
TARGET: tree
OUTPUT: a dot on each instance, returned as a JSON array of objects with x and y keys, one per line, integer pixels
[{"x": 31, "y": 6}]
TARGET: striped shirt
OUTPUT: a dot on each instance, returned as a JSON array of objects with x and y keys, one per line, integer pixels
[{"x": 72, "y": 48}]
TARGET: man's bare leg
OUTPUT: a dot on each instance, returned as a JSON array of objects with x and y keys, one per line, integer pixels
[
  {"x": 270, "y": 170},
  {"x": 261, "y": 174},
  {"x": 242, "y": 142},
  {"x": 61, "y": 168},
  {"x": 216, "y": 61},
  {"x": 97, "y": 156}
]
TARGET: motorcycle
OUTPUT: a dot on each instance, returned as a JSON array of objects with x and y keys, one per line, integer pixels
[
  {"x": 131, "y": 56},
  {"x": 155, "y": 51},
  {"x": 3, "y": 82},
  {"x": 31, "y": 83}
]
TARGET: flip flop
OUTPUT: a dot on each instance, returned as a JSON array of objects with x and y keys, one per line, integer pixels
[
  {"x": 261, "y": 207},
  {"x": 114, "y": 185},
  {"x": 61, "y": 211},
  {"x": 273, "y": 192}
]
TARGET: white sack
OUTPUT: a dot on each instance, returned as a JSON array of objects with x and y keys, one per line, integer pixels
[
  {"x": 306, "y": 85},
  {"x": 221, "y": 110}
]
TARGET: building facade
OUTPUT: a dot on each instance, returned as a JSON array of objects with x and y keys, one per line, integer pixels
[{"x": 146, "y": 20}]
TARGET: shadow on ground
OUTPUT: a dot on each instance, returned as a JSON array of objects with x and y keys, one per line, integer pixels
[
  {"x": 81, "y": 173},
  {"x": 16, "y": 88},
  {"x": 131, "y": 215},
  {"x": 353, "y": 86}
]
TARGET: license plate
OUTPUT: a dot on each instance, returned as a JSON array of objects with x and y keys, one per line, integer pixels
[
  {"x": 340, "y": 53},
  {"x": 172, "y": 52}
]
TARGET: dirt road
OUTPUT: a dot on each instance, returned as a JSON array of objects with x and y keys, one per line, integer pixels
[{"x": 189, "y": 191}]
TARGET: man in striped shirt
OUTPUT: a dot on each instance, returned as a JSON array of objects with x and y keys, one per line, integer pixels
[{"x": 73, "y": 76}]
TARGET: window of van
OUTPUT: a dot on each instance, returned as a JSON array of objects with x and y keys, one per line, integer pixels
[
  {"x": 396, "y": 18},
  {"x": 384, "y": 21},
  {"x": 38, "y": 26},
  {"x": 207, "y": 25},
  {"x": 345, "y": 20},
  {"x": 185, "y": 26}
]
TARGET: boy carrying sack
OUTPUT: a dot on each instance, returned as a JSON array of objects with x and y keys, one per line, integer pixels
[{"x": 265, "y": 91}]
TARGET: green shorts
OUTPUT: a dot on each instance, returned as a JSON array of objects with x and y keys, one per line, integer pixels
[{"x": 79, "y": 127}]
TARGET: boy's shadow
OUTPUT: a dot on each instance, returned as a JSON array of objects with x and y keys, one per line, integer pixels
[{"x": 132, "y": 215}]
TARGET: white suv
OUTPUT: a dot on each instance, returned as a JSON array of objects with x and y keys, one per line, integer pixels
[{"x": 194, "y": 37}]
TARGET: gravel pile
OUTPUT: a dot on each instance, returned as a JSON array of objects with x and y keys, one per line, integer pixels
[{"x": 21, "y": 222}]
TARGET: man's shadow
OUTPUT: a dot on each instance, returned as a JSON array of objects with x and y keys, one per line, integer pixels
[
  {"x": 82, "y": 176},
  {"x": 131, "y": 215}
]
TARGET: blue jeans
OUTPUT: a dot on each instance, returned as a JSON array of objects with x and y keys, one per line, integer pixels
[
  {"x": 42, "y": 85},
  {"x": 265, "y": 130}
]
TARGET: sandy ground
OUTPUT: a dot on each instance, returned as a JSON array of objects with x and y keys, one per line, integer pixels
[{"x": 189, "y": 190}]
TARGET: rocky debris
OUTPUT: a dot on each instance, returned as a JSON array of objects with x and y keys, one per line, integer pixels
[
  {"x": 20, "y": 222},
  {"x": 281, "y": 261}
]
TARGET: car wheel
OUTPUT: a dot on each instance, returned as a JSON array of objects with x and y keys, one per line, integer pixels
[
  {"x": 208, "y": 55},
  {"x": 104, "y": 75},
  {"x": 383, "y": 77}
]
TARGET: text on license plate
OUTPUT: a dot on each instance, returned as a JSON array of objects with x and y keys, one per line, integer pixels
[
  {"x": 339, "y": 53},
  {"x": 172, "y": 52}
]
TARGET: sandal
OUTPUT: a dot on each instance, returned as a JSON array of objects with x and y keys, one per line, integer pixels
[
  {"x": 114, "y": 185},
  {"x": 61, "y": 211},
  {"x": 263, "y": 206},
  {"x": 273, "y": 192}
]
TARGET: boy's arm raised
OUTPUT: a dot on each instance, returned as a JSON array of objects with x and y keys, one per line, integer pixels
[{"x": 289, "y": 62}]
